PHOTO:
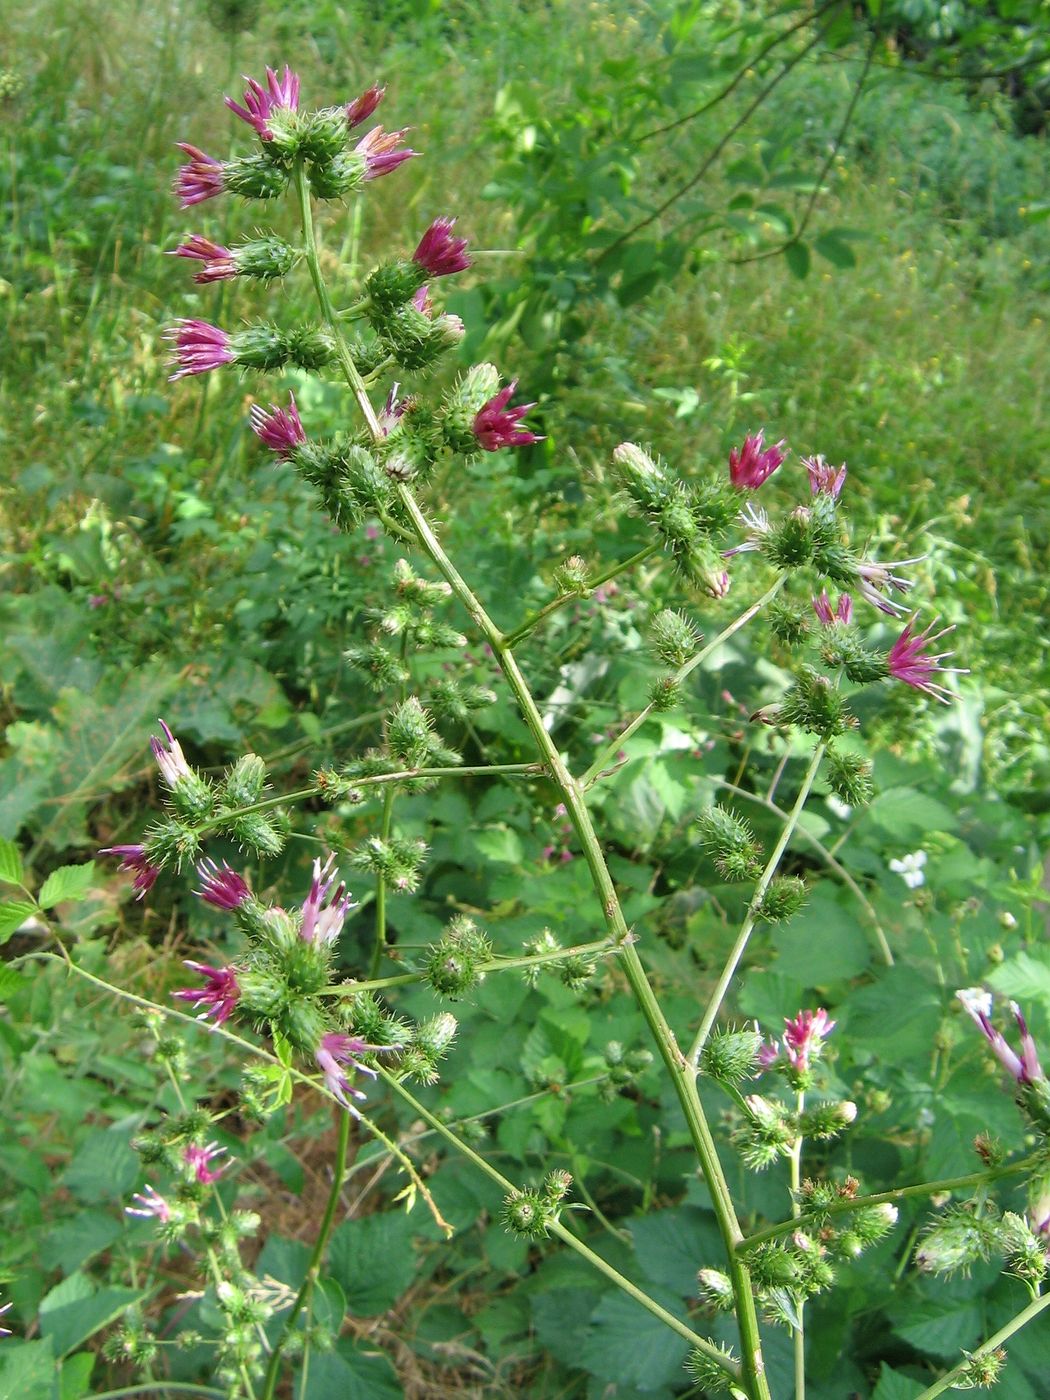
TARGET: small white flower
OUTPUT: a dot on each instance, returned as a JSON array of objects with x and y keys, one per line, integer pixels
[
  {"x": 976, "y": 1000},
  {"x": 909, "y": 868}
]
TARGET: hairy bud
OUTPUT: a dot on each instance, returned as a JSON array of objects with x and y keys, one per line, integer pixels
[
  {"x": 781, "y": 900},
  {"x": 848, "y": 776},
  {"x": 675, "y": 639},
  {"x": 730, "y": 842},
  {"x": 730, "y": 1056}
]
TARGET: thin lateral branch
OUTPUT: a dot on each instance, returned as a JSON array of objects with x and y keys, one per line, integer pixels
[
  {"x": 534, "y": 619},
  {"x": 947, "y": 1382}
]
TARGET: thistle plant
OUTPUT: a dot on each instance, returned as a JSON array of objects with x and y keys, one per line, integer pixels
[{"x": 282, "y": 1002}]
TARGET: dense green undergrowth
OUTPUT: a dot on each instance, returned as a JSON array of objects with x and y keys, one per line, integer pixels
[{"x": 154, "y": 564}]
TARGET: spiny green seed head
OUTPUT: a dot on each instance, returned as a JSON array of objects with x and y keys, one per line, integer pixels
[
  {"x": 730, "y": 1055},
  {"x": 873, "y": 1222},
  {"x": 556, "y": 1187},
  {"x": 848, "y": 776},
  {"x": 322, "y": 134},
  {"x": 310, "y": 347},
  {"x": 245, "y": 781},
  {"x": 576, "y": 972},
  {"x": 261, "y": 347},
  {"x": 675, "y": 639},
  {"x": 170, "y": 843},
  {"x": 570, "y": 577},
  {"x": 730, "y": 843},
  {"x": 255, "y": 177},
  {"x": 715, "y": 505},
  {"x": 842, "y": 647},
  {"x": 263, "y": 993},
  {"x": 410, "y": 734},
  {"x": 710, "y": 1377},
  {"x": 773, "y": 1265},
  {"x": 790, "y": 544},
  {"x": 782, "y": 899},
  {"x": 766, "y": 1134},
  {"x": 418, "y": 590},
  {"x": 827, "y": 1120},
  {"x": 415, "y": 341},
  {"x": 716, "y": 1290},
  {"x": 983, "y": 1369},
  {"x": 665, "y": 694},
  {"x": 437, "y": 1034},
  {"x": 1023, "y": 1250},
  {"x": 258, "y": 833},
  {"x": 814, "y": 704},
  {"x": 526, "y": 1213},
  {"x": 954, "y": 1243},
  {"x": 265, "y": 258},
  {"x": 788, "y": 622},
  {"x": 335, "y": 178},
  {"x": 193, "y": 1126},
  {"x": 305, "y": 966},
  {"x": 302, "y": 1024},
  {"x": 389, "y": 287},
  {"x": 437, "y": 636},
  {"x": 380, "y": 667},
  {"x": 452, "y": 700},
  {"x": 451, "y": 966}
]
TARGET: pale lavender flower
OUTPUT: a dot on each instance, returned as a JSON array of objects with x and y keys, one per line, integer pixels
[
  {"x": 874, "y": 578},
  {"x": 150, "y": 1205},
  {"x": 824, "y": 480},
  {"x": 768, "y": 1054},
  {"x": 337, "y": 1054},
  {"x": 199, "y": 1160},
  {"x": 134, "y": 859},
  {"x": 203, "y": 178},
  {"x": 323, "y": 916},
  {"x": 1024, "y": 1068},
  {"x": 754, "y": 463},
  {"x": 260, "y": 102},
  {"x": 756, "y": 522},
  {"x": 218, "y": 996},
  {"x": 804, "y": 1036},
  {"x": 496, "y": 425},
  {"x": 422, "y": 303},
  {"x": 221, "y": 886},
  {"x": 389, "y": 416},
  {"x": 219, "y": 261},
  {"x": 909, "y": 661},
  {"x": 438, "y": 253},
  {"x": 828, "y": 615},
  {"x": 362, "y": 107},
  {"x": 199, "y": 347},
  {"x": 380, "y": 152},
  {"x": 170, "y": 759},
  {"x": 279, "y": 428}
]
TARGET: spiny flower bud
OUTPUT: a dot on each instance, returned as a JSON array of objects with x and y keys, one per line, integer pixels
[
  {"x": 571, "y": 576},
  {"x": 664, "y": 694},
  {"x": 675, "y": 639},
  {"x": 730, "y": 842},
  {"x": 1023, "y": 1249},
  {"x": 767, "y": 1134},
  {"x": 730, "y": 1056},
  {"x": 245, "y": 781},
  {"x": 451, "y": 965},
  {"x": 526, "y": 1213},
  {"x": 710, "y": 1377},
  {"x": 398, "y": 860},
  {"x": 788, "y": 622},
  {"x": 418, "y": 590},
  {"x": 957, "y": 1241},
  {"x": 429, "y": 1042},
  {"x": 814, "y": 704},
  {"x": 451, "y": 700},
  {"x": 982, "y": 1370},
  {"x": 848, "y": 775},
  {"x": 410, "y": 735},
  {"x": 790, "y": 544},
  {"x": 827, "y": 1120},
  {"x": 556, "y": 1187},
  {"x": 841, "y": 646},
  {"x": 576, "y": 971},
  {"x": 781, "y": 900},
  {"x": 381, "y": 668},
  {"x": 249, "y": 177},
  {"x": 170, "y": 843},
  {"x": 716, "y": 1289},
  {"x": 257, "y": 833}
]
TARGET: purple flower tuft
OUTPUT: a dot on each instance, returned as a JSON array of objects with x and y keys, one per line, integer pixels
[
  {"x": 221, "y": 886},
  {"x": 496, "y": 425},
  {"x": 199, "y": 347},
  {"x": 873, "y": 578},
  {"x": 199, "y": 1160},
  {"x": 379, "y": 149},
  {"x": 135, "y": 858},
  {"x": 219, "y": 262},
  {"x": 438, "y": 253},
  {"x": 260, "y": 101},
  {"x": 336, "y": 1054},
  {"x": 910, "y": 662},
  {"x": 754, "y": 463},
  {"x": 824, "y": 480},
  {"x": 218, "y": 996},
  {"x": 805, "y": 1035},
  {"x": 201, "y": 179},
  {"x": 823, "y": 609},
  {"x": 1024, "y": 1068},
  {"x": 362, "y": 107},
  {"x": 170, "y": 759},
  {"x": 279, "y": 428},
  {"x": 323, "y": 917},
  {"x": 150, "y": 1204}
]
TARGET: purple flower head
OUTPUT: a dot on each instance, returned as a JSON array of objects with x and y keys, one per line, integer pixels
[
  {"x": 221, "y": 887},
  {"x": 323, "y": 916},
  {"x": 218, "y": 996},
  {"x": 218, "y": 261},
  {"x": 150, "y": 1204},
  {"x": 389, "y": 417},
  {"x": 910, "y": 662},
  {"x": 824, "y": 480},
  {"x": 804, "y": 1036},
  {"x": 199, "y": 1160},
  {"x": 379, "y": 149},
  {"x": 201, "y": 179},
  {"x": 438, "y": 253},
  {"x": 825, "y": 614},
  {"x": 756, "y": 522},
  {"x": 1024, "y": 1068},
  {"x": 768, "y": 1054},
  {"x": 170, "y": 758},
  {"x": 134, "y": 859},
  {"x": 279, "y": 428},
  {"x": 260, "y": 101},
  {"x": 873, "y": 578},
  {"x": 199, "y": 347},
  {"x": 421, "y": 301},
  {"x": 754, "y": 463},
  {"x": 336, "y": 1054},
  {"x": 496, "y": 425},
  {"x": 362, "y": 107}
]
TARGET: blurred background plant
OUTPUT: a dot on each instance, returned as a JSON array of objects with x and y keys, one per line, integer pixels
[{"x": 861, "y": 266}]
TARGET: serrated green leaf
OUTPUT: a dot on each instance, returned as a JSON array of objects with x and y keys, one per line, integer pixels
[
  {"x": 75, "y": 1376},
  {"x": 74, "y": 1310},
  {"x": 13, "y": 914},
  {"x": 351, "y": 1374},
  {"x": 835, "y": 251},
  {"x": 797, "y": 257},
  {"x": 27, "y": 1370},
  {"x": 1025, "y": 978},
  {"x": 11, "y": 872},
  {"x": 894, "y": 1386},
  {"x": 628, "y": 1345},
  {"x": 374, "y": 1261},
  {"x": 10, "y": 982},
  {"x": 672, "y": 1244},
  {"x": 69, "y": 884},
  {"x": 942, "y": 1326}
]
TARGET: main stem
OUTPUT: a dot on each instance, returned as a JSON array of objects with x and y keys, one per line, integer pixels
[
  {"x": 799, "y": 1338},
  {"x": 313, "y": 1269},
  {"x": 678, "y": 1066}
]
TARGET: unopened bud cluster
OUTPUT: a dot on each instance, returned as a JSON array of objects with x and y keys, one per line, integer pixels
[{"x": 532, "y": 1211}]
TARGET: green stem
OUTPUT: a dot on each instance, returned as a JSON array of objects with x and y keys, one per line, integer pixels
[
  {"x": 566, "y": 1236},
  {"x": 899, "y": 1193},
  {"x": 156, "y": 1388},
  {"x": 384, "y": 836},
  {"x": 534, "y": 619},
  {"x": 1015, "y": 1324},
  {"x": 613, "y": 747},
  {"x": 313, "y": 1269},
  {"x": 404, "y": 979},
  {"x": 799, "y": 1337},
  {"x": 737, "y": 952}
]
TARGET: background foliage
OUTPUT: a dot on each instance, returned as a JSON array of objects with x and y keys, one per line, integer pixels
[{"x": 876, "y": 292}]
